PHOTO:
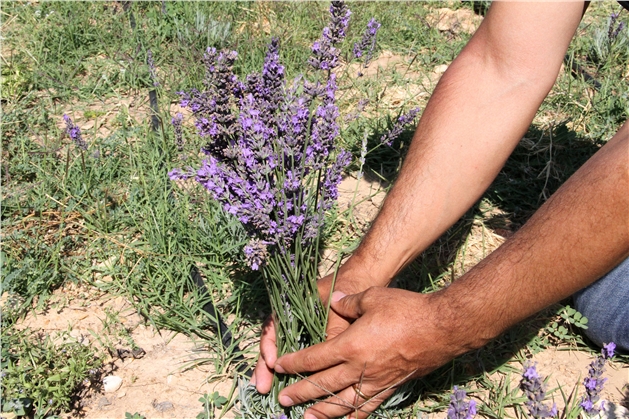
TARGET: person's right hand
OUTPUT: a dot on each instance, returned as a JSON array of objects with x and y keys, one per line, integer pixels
[{"x": 350, "y": 279}]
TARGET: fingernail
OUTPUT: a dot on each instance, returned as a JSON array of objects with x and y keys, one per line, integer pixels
[
  {"x": 310, "y": 416},
  {"x": 278, "y": 368},
  {"x": 337, "y": 295},
  {"x": 286, "y": 401}
]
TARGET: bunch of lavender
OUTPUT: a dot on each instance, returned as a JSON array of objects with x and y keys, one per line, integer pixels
[
  {"x": 272, "y": 163},
  {"x": 459, "y": 408},
  {"x": 594, "y": 383},
  {"x": 532, "y": 385}
]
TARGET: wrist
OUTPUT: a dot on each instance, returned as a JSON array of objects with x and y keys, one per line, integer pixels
[
  {"x": 352, "y": 277},
  {"x": 465, "y": 319}
]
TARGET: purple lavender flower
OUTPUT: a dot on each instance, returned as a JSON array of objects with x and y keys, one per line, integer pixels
[
  {"x": 612, "y": 30},
  {"x": 176, "y": 121},
  {"x": 594, "y": 382},
  {"x": 333, "y": 177},
  {"x": 269, "y": 147},
  {"x": 74, "y": 132},
  {"x": 459, "y": 408},
  {"x": 324, "y": 53},
  {"x": 360, "y": 107},
  {"x": 617, "y": 31},
  {"x": 532, "y": 385},
  {"x": 255, "y": 254},
  {"x": 608, "y": 350},
  {"x": 213, "y": 107},
  {"x": 398, "y": 127},
  {"x": 257, "y": 166},
  {"x": 368, "y": 42},
  {"x": 151, "y": 65}
]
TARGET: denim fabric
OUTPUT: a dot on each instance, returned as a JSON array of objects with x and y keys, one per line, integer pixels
[{"x": 606, "y": 305}]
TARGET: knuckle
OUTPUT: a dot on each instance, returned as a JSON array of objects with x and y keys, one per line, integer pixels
[{"x": 334, "y": 331}]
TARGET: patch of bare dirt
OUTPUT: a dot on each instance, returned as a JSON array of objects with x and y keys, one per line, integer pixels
[
  {"x": 454, "y": 21},
  {"x": 402, "y": 82},
  {"x": 359, "y": 202},
  {"x": 568, "y": 368},
  {"x": 156, "y": 384},
  {"x": 102, "y": 117}
]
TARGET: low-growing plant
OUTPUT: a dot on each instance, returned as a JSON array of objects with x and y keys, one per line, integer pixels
[
  {"x": 211, "y": 402},
  {"x": 42, "y": 373}
]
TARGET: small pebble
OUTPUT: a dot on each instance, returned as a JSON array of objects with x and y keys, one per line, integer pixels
[
  {"x": 111, "y": 383},
  {"x": 163, "y": 406},
  {"x": 103, "y": 402}
]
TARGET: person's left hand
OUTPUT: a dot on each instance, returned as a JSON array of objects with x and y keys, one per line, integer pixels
[{"x": 397, "y": 335}]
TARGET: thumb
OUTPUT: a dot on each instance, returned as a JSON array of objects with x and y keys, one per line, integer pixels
[{"x": 348, "y": 306}]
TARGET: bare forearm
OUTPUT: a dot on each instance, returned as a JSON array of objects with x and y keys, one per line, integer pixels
[
  {"x": 479, "y": 111},
  {"x": 577, "y": 236}
]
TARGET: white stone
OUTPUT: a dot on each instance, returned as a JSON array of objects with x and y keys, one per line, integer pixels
[
  {"x": 611, "y": 411},
  {"x": 111, "y": 383}
]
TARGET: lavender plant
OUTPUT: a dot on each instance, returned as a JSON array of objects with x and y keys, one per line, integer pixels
[
  {"x": 151, "y": 65},
  {"x": 535, "y": 391},
  {"x": 612, "y": 29},
  {"x": 459, "y": 408},
  {"x": 74, "y": 132},
  {"x": 594, "y": 382},
  {"x": 365, "y": 48},
  {"x": 399, "y": 125},
  {"x": 272, "y": 163},
  {"x": 177, "y": 120}
]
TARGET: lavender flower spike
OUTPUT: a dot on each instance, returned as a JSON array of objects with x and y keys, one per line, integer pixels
[
  {"x": 593, "y": 382},
  {"x": 612, "y": 24},
  {"x": 176, "y": 121},
  {"x": 398, "y": 127},
  {"x": 620, "y": 27},
  {"x": 459, "y": 408},
  {"x": 255, "y": 253},
  {"x": 74, "y": 132},
  {"x": 324, "y": 54},
  {"x": 368, "y": 42},
  {"x": 151, "y": 64},
  {"x": 531, "y": 384}
]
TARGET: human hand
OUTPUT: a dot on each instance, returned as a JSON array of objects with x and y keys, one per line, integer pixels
[
  {"x": 350, "y": 279},
  {"x": 397, "y": 335}
]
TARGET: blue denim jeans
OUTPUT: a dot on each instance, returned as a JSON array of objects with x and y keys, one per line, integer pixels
[{"x": 606, "y": 305}]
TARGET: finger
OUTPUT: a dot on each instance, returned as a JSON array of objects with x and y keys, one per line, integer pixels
[
  {"x": 262, "y": 377},
  {"x": 348, "y": 402},
  {"x": 268, "y": 347},
  {"x": 322, "y": 384},
  {"x": 324, "y": 285},
  {"x": 349, "y": 306},
  {"x": 313, "y": 358},
  {"x": 336, "y": 325}
]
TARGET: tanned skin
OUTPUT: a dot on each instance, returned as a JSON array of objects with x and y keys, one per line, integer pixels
[{"x": 479, "y": 111}]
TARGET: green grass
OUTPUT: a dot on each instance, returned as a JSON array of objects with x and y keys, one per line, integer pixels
[{"x": 64, "y": 210}]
